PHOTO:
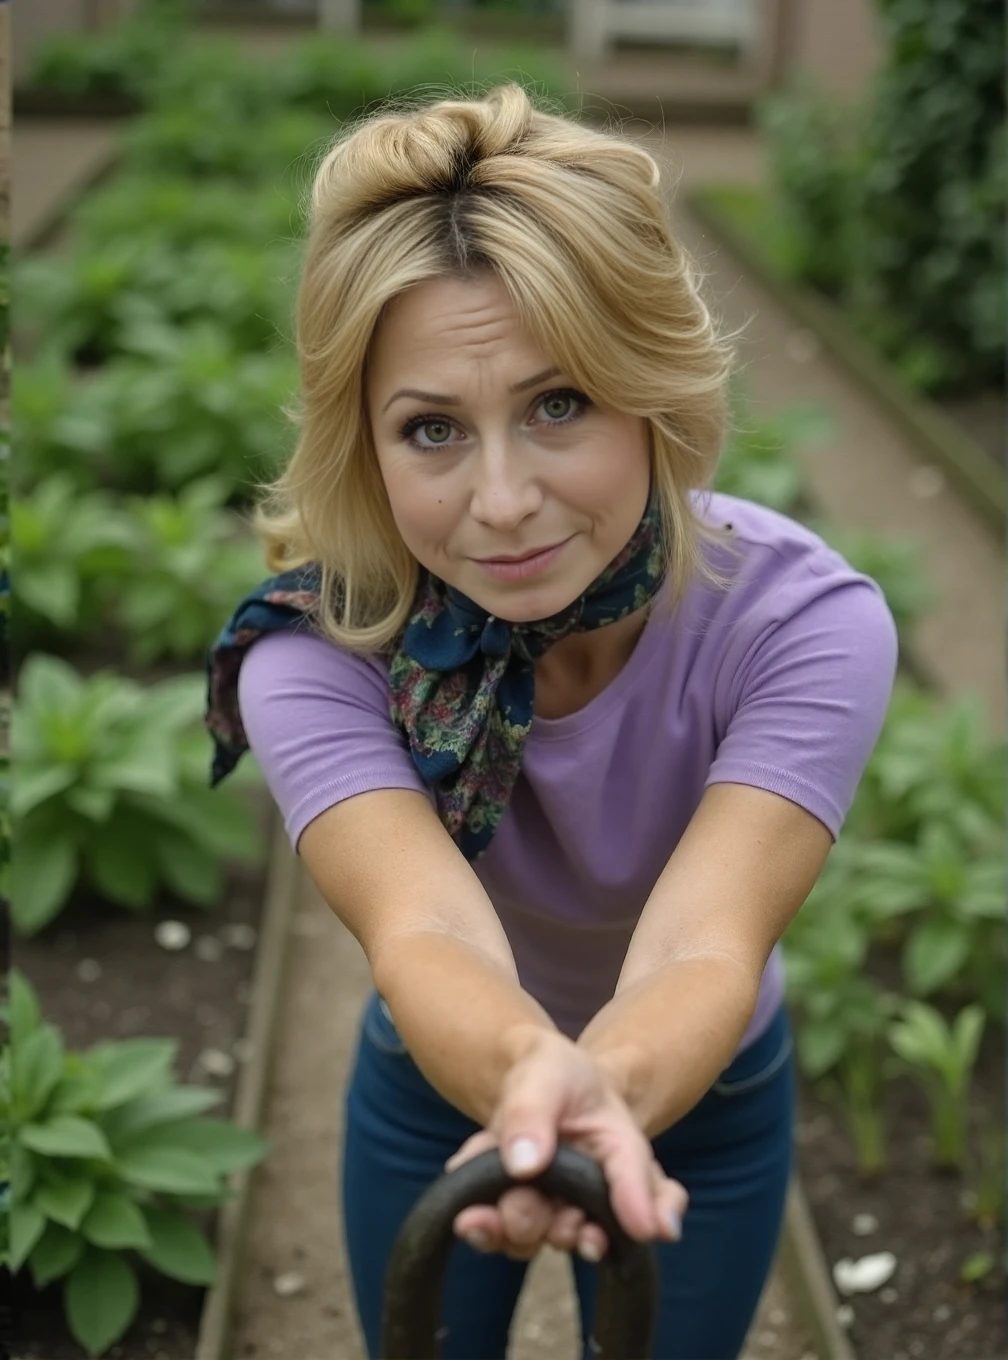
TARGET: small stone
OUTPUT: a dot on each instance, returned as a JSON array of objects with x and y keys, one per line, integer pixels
[
  {"x": 209, "y": 949},
  {"x": 889, "y": 1295},
  {"x": 802, "y": 346},
  {"x": 243, "y": 1050},
  {"x": 239, "y": 936},
  {"x": 289, "y": 1284},
  {"x": 916, "y": 1346},
  {"x": 845, "y": 1315},
  {"x": 173, "y": 935},
  {"x": 864, "y": 1224},
  {"x": 865, "y": 1275},
  {"x": 777, "y": 1317},
  {"x": 927, "y": 482},
  {"x": 89, "y": 970},
  {"x": 159, "y": 1326},
  {"x": 216, "y": 1063},
  {"x": 942, "y": 1313}
]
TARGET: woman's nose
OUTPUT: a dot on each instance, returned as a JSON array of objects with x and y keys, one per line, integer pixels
[{"x": 504, "y": 494}]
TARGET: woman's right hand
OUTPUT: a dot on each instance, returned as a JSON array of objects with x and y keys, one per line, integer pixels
[{"x": 556, "y": 1092}]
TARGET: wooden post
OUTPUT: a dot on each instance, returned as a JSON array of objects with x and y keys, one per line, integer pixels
[
  {"x": 587, "y": 34},
  {"x": 339, "y": 16}
]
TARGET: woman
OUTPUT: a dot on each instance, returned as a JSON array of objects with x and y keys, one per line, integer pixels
[{"x": 561, "y": 737}]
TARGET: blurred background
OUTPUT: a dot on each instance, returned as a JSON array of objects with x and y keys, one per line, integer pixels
[{"x": 183, "y": 1007}]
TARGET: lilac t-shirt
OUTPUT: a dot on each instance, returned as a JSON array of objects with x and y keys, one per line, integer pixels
[{"x": 781, "y": 682}]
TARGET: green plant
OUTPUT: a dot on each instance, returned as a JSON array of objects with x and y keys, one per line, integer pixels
[
  {"x": 186, "y": 139},
  {"x": 987, "y": 1175},
  {"x": 934, "y": 761},
  {"x": 956, "y": 896},
  {"x": 93, "y": 304},
  {"x": 108, "y": 1155},
  {"x": 191, "y": 404},
  {"x": 119, "y": 61},
  {"x": 940, "y": 1058},
  {"x": 843, "y": 1013},
  {"x": 111, "y": 788},
  {"x": 760, "y": 459}
]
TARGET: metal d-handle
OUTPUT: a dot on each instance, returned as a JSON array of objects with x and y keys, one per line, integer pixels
[{"x": 627, "y": 1287}]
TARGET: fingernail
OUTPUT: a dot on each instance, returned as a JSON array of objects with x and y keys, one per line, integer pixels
[
  {"x": 675, "y": 1224},
  {"x": 477, "y": 1240},
  {"x": 589, "y": 1251},
  {"x": 522, "y": 1155}
]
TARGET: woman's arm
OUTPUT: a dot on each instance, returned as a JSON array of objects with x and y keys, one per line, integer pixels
[
  {"x": 689, "y": 984},
  {"x": 439, "y": 956}
]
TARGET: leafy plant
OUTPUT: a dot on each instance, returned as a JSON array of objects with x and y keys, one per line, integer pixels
[
  {"x": 107, "y": 1156},
  {"x": 193, "y": 404},
  {"x": 91, "y": 304},
  {"x": 987, "y": 1173},
  {"x": 760, "y": 459},
  {"x": 119, "y": 61},
  {"x": 111, "y": 789},
  {"x": 941, "y": 1058},
  {"x": 186, "y": 139},
  {"x": 957, "y": 898}
]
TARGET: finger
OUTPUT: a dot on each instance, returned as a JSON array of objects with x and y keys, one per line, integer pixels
[
  {"x": 481, "y": 1227},
  {"x": 592, "y": 1242},
  {"x": 629, "y": 1171},
  {"x": 671, "y": 1203},
  {"x": 472, "y": 1147},
  {"x": 526, "y": 1121},
  {"x": 567, "y": 1222},
  {"x": 526, "y": 1218}
]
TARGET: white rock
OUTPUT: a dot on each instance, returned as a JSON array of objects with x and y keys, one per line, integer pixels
[
  {"x": 865, "y": 1275},
  {"x": 289, "y": 1284},
  {"x": 216, "y": 1062},
  {"x": 239, "y": 936},
  {"x": 864, "y": 1224},
  {"x": 942, "y": 1313},
  {"x": 845, "y": 1315},
  {"x": 209, "y": 949},
  {"x": 173, "y": 935},
  {"x": 89, "y": 970}
]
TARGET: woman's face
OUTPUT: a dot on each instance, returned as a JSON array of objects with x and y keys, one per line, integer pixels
[{"x": 487, "y": 450}]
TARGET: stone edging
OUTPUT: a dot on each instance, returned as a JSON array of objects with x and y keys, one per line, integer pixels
[
  {"x": 974, "y": 475},
  {"x": 250, "y": 1097},
  {"x": 802, "y": 1262}
]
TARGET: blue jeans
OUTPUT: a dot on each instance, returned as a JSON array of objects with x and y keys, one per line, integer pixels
[{"x": 732, "y": 1152}]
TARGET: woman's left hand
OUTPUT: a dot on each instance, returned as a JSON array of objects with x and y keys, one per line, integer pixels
[{"x": 558, "y": 1093}]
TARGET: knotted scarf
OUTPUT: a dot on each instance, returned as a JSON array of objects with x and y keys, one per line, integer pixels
[{"x": 461, "y": 680}]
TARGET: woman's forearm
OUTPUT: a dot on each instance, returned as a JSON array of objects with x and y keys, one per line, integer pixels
[
  {"x": 462, "y": 1013},
  {"x": 665, "y": 1039}
]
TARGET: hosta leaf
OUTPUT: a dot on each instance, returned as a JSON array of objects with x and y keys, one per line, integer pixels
[
  {"x": 102, "y": 1298},
  {"x": 64, "y": 1199},
  {"x": 51, "y": 589},
  {"x": 179, "y": 1249},
  {"x": 130, "y": 1067},
  {"x": 115, "y": 1221},
  {"x": 820, "y": 1045},
  {"x": 25, "y": 1013},
  {"x": 162, "y": 1107},
  {"x": 27, "y": 1224},
  {"x": 49, "y": 684},
  {"x": 122, "y": 868},
  {"x": 97, "y": 805},
  {"x": 55, "y": 1254},
  {"x": 36, "y": 1067},
  {"x": 66, "y": 1135},
  {"x": 191, "y": 873},
  {"x": 934, "y": 954},
  {"x": 33, "y": 787},
  {"x": 223, "y": 1146},
  {"x": 175, "y": 703},
  {"x": 166, "y": 1168},
  {"x": 43, "y": 871}
]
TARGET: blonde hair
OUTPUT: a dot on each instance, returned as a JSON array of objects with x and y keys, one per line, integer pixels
[{"x": 571, "y": 220}]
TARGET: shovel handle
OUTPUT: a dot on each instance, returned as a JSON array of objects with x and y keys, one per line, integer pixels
[{"x": 627, "y": 1291}]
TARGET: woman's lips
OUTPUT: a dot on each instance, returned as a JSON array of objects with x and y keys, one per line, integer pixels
[{"x": 525, "y": 566}]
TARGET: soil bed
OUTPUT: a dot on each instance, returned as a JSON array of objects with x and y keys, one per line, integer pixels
[
  {"x": 146, "y": 990},
  {"x": 921, "y": 1220}
]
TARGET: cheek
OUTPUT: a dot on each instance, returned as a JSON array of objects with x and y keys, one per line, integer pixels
[{"x": 422, "y": 511}]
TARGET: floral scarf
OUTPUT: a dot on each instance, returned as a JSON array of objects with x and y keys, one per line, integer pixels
[{"x": 461, "y": 681}]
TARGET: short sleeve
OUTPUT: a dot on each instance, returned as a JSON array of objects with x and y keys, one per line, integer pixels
[
  {"x": 316, "y": 719},
  {"x": 809, "y": 695}
]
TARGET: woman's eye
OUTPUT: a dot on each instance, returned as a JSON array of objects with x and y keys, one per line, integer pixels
[
  {"x": 563, "y": 406},
  {"x": 434, "y": 428}
]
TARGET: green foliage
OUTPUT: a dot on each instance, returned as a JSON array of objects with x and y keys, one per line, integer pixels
[
  {"x": 940, "y": 1058},
  {"x": 191, "y": 403},
  {"x": 760, "y": 461},
  {"x": 165, "y": 568},
  {"x": 111, "y": 790},
  {"x": 119, "y": 61},
  {"x": 102, "y": 300},
  {"x": 898, "y": 207},
  {"x": 107, "y": 1156}
]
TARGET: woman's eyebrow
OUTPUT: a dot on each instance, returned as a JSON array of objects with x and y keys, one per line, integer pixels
[{"x": 449, "y": 400}]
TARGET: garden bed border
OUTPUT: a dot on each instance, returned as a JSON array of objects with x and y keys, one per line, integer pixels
[
  {"x": 266, "y": 991},
  {"x": 800, "y": 1254},
  {"x": 974, "y": 475}
]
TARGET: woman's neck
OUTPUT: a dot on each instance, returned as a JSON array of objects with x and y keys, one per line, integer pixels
[{"x": 580, "y": 666}]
